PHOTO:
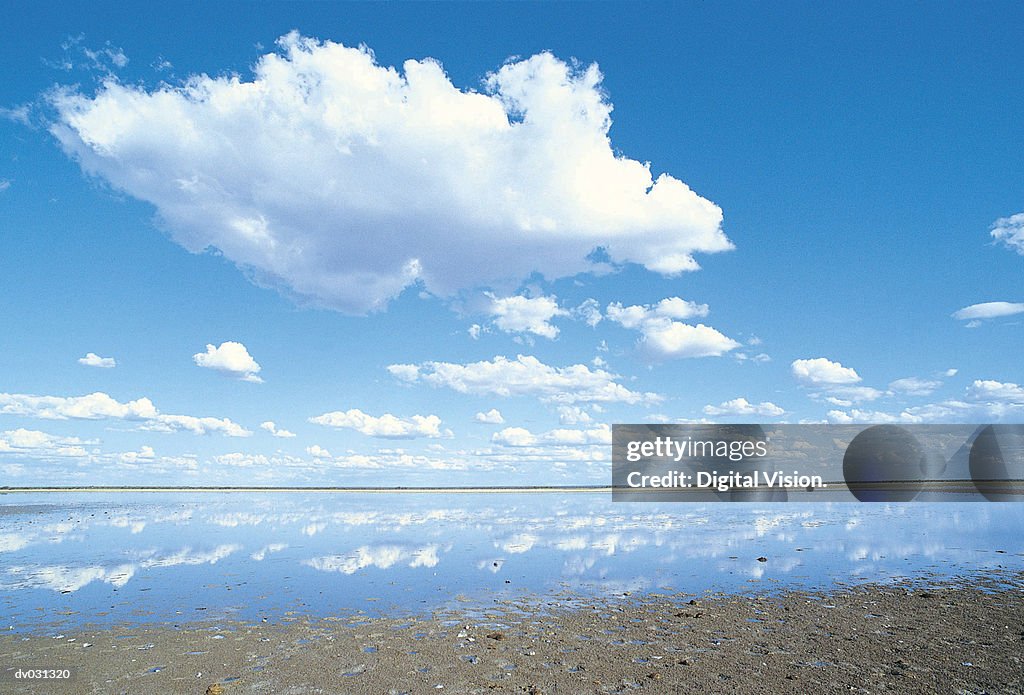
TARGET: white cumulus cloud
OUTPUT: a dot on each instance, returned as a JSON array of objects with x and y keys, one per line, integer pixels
[
  {"x": 36, "y": 443},
  {"x": 989, "y": 390},
  {"x": 842, "y": 417},
  {"x": 386, "y": 426},
  {"x": 342, "y": 182},
  {"x": 514, "y": 436},
  {"x": 521, "y": 314},
  {"x": 93, "y": 360},
  {"x": 573, "y": 415},
  {"x": 741, "y": 406},
  {"x": 822, "y": 371},
  {"x": 231, "y": 358},
  {"x": 1010, "y": 231},
  {"x": 521, "y": 437},
  {"x": 665, "y": 336},
  {"x": 271, "y": 426},
  {"x": 491, "y": 417},
  {"x": 524, "y": 376},
  {"x": 100, "y": 406}
]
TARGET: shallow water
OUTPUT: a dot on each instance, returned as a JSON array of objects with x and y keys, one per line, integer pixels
[{"x": 68, "y": 559}]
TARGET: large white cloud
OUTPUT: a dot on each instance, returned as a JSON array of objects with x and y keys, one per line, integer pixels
[
  {"x": 343, "y": 182},
  {"x": 231, "y": 358},
  {"x": 387, "y": 426},
  {"x": 1010, "y": 231},
  {"x": 666, "y": 337},
  {"x": 524, "y": 376},
  {"x": 100, "y": 406}
]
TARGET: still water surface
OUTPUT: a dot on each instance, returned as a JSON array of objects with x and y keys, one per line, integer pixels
[{"x": 68, "y": 559}]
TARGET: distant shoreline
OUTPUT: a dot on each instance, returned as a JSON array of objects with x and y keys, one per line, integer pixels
[{"x": 832, "y": 488}]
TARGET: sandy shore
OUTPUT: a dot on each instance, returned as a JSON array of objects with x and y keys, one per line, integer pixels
[{"x": 891, "y": 639}]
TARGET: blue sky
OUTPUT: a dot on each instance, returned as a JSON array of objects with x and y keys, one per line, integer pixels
[{"x": 569, "y": 215}]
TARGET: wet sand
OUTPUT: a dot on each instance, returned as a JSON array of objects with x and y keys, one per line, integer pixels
[{"x": 889, "y": 638}]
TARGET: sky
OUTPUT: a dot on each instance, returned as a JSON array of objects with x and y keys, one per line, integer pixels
[{"x": 452, "y": 244}]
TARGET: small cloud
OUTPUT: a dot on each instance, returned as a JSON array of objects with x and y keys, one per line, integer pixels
[
  {"x": 741, "y": 406},
  {"x": 520, "y": 437},
  {"x": 93, "y": 360},
  {"x": 913, "y": 386},
  {"x": 491, "y": 417},
  {"x": 36, "y": 443},
  {"x": 318, "y": 452},
  {"x": 100, "y": 406},
  {"x": 589, "y": 312},
  {"x": 4, "y": 184},
  {"x": 573, "y": 415},
  {"x": 230, "y": 358},
  {"x": 145, "y": 453},
  {"x": 524, "y": 376},
  {"x": 77, "y": 55},
  {"x": 989, "y": 390},
  {"x": 514, "y": 436},
  {"x": 521, "y": 314},
  {"x": 987, "y": 310},
  {"x": 663, "y": 334},
  {"x": 871, "y": 416},
  {"x": 1010, "y": 231},
  {"x": 271, "y": 427},
  {"x": 386, "y": 426},
  {"x": 855, "y": 393},
  {"x": 822, "y": 371},
  {"x": 950, "y": 372},
  {"x": 19, "y": 114}
]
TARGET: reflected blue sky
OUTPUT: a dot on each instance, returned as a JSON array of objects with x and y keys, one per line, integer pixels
[{"x": 107, "y": 558}]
